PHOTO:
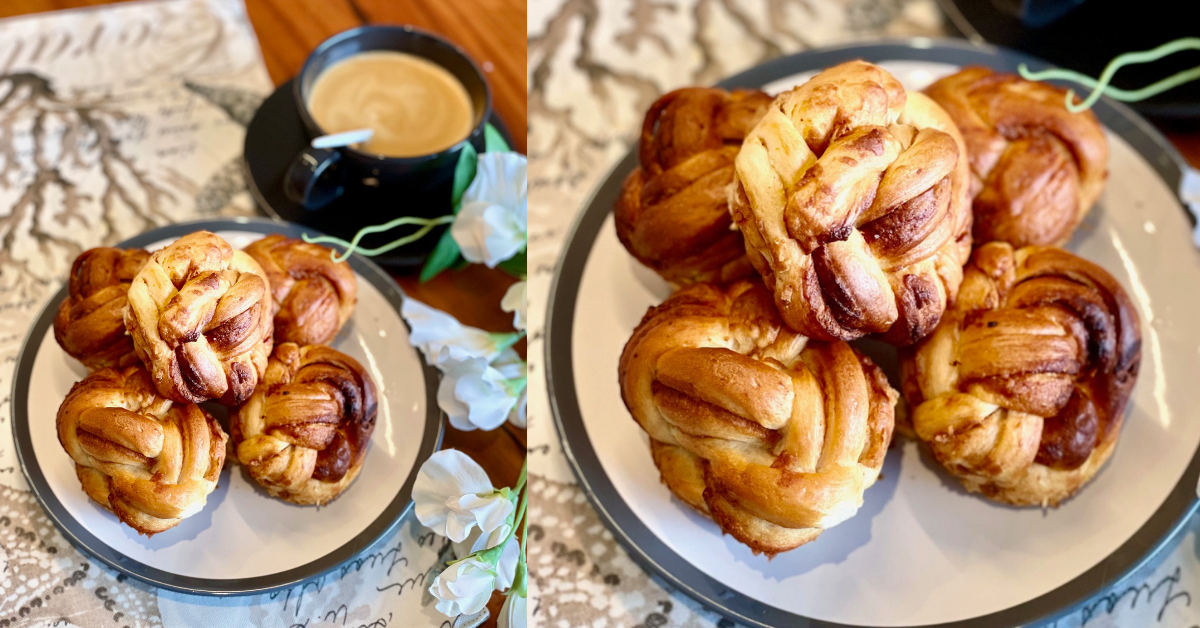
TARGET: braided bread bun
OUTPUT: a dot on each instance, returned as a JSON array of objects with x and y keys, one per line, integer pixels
[
  {"x": 304, "y": 432},
  {"x": 148, "y": 460},
  {"x": 90, "y": 324},
  {"x": 200, "y": 317},
  {"x": 314, "y": 297},
  {"x": 772, "y": 435},
  {"x": 852, "y": 196},
  {"x": 673, "y": 214},
  {"x": 1036, "y": 168},
  {"x": 1021, "y": 391}
]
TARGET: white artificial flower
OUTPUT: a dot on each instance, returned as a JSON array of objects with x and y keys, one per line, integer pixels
[
  {"x": 443, "y": 339},
  {"x": 466, "y": 586},
  {"x": 517, "y": 416},
  {"x": 473, "y": 395},
  {"x": 514, "y": 613},
  {"x": 514, "y": 301},
  {"x": 453, "y": 495},
  {"x": 506, "y": 567},
  {"x": 491, "y": 226},
  {"x": 512, "y": 367}
]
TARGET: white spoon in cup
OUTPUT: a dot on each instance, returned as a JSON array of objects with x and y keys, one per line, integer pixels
[{"x": 345, "y": 138}]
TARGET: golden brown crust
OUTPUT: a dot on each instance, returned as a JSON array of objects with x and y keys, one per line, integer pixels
[
  {"x": 773, "y": 436},
  {"x": 852, "y": 197},
  {"x": 90, "y": 324},
  {"x": 200, "y": 318},
  {"x": 314, "y": 297},
  {"x": 149, "y": 461},
  {"x": 1021, "y": 390},
  {"x": 673, "y": 211},
  {"x": 1036, "y": 168},
  {"x": 304, "y": 433}
]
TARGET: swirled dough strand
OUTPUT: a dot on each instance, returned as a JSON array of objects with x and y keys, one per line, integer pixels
[
  {"x": 200, "y": 317},
  {"x": 852, "y": 197}
]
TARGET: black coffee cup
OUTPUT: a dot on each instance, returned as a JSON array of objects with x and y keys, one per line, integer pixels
[{"x": 387, "y": 186}]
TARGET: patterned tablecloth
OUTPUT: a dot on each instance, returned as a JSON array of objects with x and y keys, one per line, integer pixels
[
  {"x": 113, "y": 121},
  {"x": 594, "y": 68}
]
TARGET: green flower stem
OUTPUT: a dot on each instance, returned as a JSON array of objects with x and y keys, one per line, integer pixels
[
  {"x": 515, "y": 385},
  {"x": 519, "y": 585},
  {"x": 427, "y": 225},
  {"x": 1102, "y": 86},
  {"x": 521, "y": 479},
  {"x": 504, "y": 340}
]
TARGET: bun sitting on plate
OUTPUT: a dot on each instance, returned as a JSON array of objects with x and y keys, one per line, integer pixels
[
  {"x": 772, "y": 435},
  {"x": 852, "y": 196},
  {"x": 1036, "y": 168},
  {"x": 1021, "y": 390},
  {"x": 90, "y": 324},
  {"x": 303, "y": 434},
  {"x": 314, "y": 297},
  {"x": 148, "y": 460},
  {"x": 673, "y": 213},
  {"x": 200, "y": 317}
]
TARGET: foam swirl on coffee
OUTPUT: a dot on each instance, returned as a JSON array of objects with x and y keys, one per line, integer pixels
[{"x": 415, "y": 106}]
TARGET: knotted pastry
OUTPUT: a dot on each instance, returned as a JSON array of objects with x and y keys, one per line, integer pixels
[
  {"x": 313, "y": 296},
  {"x": 673, "y": 214},
  {"x": 90, "y": 324},
  {"x": 852, "y": 196},
  {"x": 148, "y": 460},
  {"x": 304, "y": 432},
  {"x": 200, "y": 317},
  {"x": 772, "y": 435},
  {"x": 1036, "y": 168},
  {"x": 1021, "y": 391}
]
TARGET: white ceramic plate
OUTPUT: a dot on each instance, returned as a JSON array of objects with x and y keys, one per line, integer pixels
[
  {"x": 244, "y": 540},
  {"x": 921, "y": 551}
]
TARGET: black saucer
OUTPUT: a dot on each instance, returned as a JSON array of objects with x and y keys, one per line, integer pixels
[{"x": 273, "y": 139}]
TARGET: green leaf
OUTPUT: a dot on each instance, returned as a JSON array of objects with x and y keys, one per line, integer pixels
[
  {"x": 517, "y": 265},
  {"x": 443, "y": 256},
  {"x": 493, "y": 140},
  {"x": 446, "y": 253},
  {"x": 464, "y": 173}
]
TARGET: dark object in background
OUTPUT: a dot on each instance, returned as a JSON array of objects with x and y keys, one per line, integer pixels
[{"x": 1084, "y": 35}]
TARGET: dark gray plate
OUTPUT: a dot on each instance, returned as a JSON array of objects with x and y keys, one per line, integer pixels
[
  {"x": 651, "y": 552},
  {"x": 83, "y": 539}
]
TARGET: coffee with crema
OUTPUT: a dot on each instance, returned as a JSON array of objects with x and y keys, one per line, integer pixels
[{"x": 415, "y": 106}]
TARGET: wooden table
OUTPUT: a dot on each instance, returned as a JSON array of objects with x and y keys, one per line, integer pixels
[{"x": 288, "y": 30}]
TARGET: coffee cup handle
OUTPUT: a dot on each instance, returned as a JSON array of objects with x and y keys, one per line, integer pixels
[{"x": 314, "y": 179}]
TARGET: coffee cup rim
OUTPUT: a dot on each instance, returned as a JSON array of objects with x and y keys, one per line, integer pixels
[{"x": 310, "y": 123}]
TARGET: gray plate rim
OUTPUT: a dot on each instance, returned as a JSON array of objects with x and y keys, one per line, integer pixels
[
  {"x": 89, "y": 544},
  {"x": 654, "y": 555}
]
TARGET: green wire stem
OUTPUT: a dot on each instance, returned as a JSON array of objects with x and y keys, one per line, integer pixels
[
  {"x": 352, "y": 246},
  {"x": 1103, "y": 87}
]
